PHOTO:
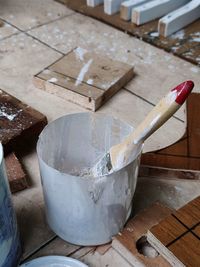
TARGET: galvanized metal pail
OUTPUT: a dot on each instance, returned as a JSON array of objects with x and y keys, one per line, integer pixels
[
  {"x": 9, "y": 238},
  {"x": 82, "y": 209}
]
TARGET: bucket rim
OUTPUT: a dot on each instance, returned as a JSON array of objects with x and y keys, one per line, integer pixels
[{"x": 100, "y": 114}]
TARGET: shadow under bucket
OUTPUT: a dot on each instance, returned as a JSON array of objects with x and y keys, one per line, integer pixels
[{"x": 81, "y": 209}]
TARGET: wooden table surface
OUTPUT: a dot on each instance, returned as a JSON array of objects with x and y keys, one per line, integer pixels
[{"x": 31, "y": 40}]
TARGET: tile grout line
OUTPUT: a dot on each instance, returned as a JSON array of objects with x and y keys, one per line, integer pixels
[
  {"x": 29, "y": 35},
  {"x": 147, "y": 101},
  {"x": 49, "y": 22}
]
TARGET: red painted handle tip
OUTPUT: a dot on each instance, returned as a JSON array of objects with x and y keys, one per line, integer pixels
[{"x": 183, "y": 90}]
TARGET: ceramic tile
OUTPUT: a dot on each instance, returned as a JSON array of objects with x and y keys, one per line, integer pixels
[
  {"x": 26, "y": 14},
  {"x": 20, "y": 58}
]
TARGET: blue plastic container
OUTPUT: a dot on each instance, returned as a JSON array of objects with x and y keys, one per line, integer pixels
[{"x": 10, "y": 249}]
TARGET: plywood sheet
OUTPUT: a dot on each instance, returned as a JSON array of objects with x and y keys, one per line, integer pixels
[
  {"x": 19, "y": 123},
  {"x": 125, "y": 242},
  {"x": 84, "y": 78},
  {"x": 177, "y": 236}
]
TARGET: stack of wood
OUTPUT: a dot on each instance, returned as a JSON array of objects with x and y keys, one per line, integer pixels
[
  {"x": 20, "y": 126},
  {"x": 173, "y": 15}
]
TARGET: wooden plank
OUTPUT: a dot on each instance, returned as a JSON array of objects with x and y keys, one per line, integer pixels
[
  {"x": 56, "y": 247},
  {"x": 19, "y": 123},
  {"x": 167, "y": 173},
  {"x": 179, "y": 18},
  {"x": 154, "y": 9},
  {"x": 125, "y": 242},
  {"x": 127, "y": 6},
  {"x": 112, "y": 6},
  {"x": 179, "y": 148},
  {"x": 91, "y": 82},
  {"x": 94, "y": 3},
  {"x": 15, "y": 173},
  {"x": 193, "y": 121},
  {"x": 177, "y": 236}
]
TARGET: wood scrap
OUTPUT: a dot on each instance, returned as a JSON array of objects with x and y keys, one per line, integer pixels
[
  {"x": 179, "y": 18},
  {"x": 177, "y": 237},
  {"x": 125, "y": 243},
  {"x": 127, "y": 6},
  {"x": 154, "y": 9},
  {"x": 91, "y": 82},
  {"x": 167, "y": 173},
  {"x": 94, "y": 3},
  {"x": 19, "y": 123},
  {"x": 112, "y": 6},
  {"x": 15, "y": 173}
]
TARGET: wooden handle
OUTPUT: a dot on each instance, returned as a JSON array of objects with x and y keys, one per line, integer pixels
[
  {"x": 161, "y": 112},
  {"x": 159, "y": 115}
]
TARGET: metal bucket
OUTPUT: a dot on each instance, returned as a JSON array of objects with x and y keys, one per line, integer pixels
[
  {"x": 81, "y": 209},
  {"x": 9, "y": 239}
]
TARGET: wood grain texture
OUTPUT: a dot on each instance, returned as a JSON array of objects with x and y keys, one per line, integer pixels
[
  {"x": 90, "y": 83},
  {"x": 187, "y": 250},
  {"x": 177, "y": 236},
  {"x": 15, "y": 173},
  {"x": 20, "y": 124},
  {"x": 168, "y": 229},
  {"x": 184, "y": 154},
  {"x": 125, "y": 242},
  {"x": 189, "y": 215},
  {"x": 185, "y": 47}
]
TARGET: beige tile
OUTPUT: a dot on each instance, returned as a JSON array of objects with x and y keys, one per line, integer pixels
[
  {"x": 20, "y": 58},
  {"x": 156, "y": 70},
  {"x": 26, "y": 14},
  {"x": 7, "y": 30}
]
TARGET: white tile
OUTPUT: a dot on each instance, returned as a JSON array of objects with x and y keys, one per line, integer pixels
[{"x": 26, "y": 14}]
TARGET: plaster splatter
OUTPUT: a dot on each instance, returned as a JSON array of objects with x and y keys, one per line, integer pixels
[
  {"x": 194, "y": 69},
  {"x": 80, "y": 52},
  {"x": 53, "y": 80},
  {"x": 178, "y": 35},
  {"x": 90, "y": 81},
  {"x": 154, "y": 34},
  {"x": 10, "y": 117},
  {"x": 82, "y": 72}
]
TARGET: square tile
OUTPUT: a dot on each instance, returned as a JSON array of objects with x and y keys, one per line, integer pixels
[{"x": 84, "y": 78}]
